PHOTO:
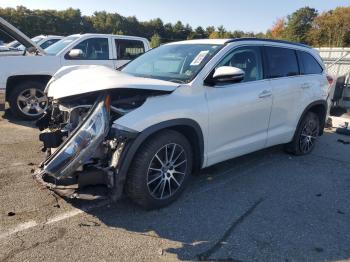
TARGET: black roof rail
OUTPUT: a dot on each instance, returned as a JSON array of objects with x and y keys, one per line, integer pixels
[{"x": 266, "y": 40}]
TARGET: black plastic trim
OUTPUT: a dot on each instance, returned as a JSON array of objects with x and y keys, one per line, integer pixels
[
  {"x": 133, "y": 145},
  {"x": 307, "y": 109}
]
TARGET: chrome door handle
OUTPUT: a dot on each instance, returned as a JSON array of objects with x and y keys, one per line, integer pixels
[
  {"x": 265, "y": 93},
  {"x": 305, "y": 85}
]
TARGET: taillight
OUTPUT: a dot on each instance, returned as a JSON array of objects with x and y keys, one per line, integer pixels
[{"x": 330, "y": 80}]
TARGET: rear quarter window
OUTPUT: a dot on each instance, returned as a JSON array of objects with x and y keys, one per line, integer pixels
[
  {"x": 281, "y": 62},
  {"x": 310, "y": 65}
]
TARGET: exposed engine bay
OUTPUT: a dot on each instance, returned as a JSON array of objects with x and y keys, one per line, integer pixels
[{"x": 84, "y": 146}]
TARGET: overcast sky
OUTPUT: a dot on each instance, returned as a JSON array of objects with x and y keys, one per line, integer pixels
[{"x": 248, "y": 15}]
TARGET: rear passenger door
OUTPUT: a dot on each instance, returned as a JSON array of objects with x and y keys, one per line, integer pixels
[
  {"x": 126, "y": 50},
  {"x": 314, "y": 82},
  {"x": 286, "y": 83}
]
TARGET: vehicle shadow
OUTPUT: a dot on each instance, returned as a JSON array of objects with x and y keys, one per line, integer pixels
[
  {"x": 228, "y": 195},
  {"x": 7, "y": 115},
  {"x": 197, "y": 219}
]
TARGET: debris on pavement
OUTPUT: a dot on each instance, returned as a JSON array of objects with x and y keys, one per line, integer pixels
[{"x": 343, "y": 141}]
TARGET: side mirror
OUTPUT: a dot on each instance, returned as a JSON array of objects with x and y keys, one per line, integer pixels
[
  {"x": 76, "y": 53},
  {"x": 227, "y": 74}
]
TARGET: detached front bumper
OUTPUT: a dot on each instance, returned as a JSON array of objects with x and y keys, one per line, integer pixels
[{"x": 2, "y": 98}]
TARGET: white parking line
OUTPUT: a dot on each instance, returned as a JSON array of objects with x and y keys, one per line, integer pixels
[
  {"x": 60, "y": 217},
  {"x": 19, "y": 228}
]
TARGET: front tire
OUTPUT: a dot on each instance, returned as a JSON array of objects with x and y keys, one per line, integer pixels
[
  {"x": 306, "y": 135},
  {"x": 160, "y": 170},
  {"x": 28, "y": 101}
]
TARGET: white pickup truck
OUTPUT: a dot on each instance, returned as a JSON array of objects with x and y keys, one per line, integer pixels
[{"x": 23, "y": 78}]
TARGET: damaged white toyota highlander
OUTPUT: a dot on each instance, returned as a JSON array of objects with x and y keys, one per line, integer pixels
[{"x": 176, "y": 109}]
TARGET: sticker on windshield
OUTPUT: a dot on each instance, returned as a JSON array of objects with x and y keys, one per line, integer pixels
[{"x": 199, "y": 58}]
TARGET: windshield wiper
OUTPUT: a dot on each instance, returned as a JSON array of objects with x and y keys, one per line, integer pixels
[{"x": 177, "y": 81}]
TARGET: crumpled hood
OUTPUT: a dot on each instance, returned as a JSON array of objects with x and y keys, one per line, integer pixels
[{"x": 75, "y": 80}]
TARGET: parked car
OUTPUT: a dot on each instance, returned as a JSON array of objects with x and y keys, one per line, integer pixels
[
  {"x": 24, "y": 77},
  {"x": 44, "y": 41},
  {"x": 176, "y": 109},
  {"x": 4, "y": 48}
]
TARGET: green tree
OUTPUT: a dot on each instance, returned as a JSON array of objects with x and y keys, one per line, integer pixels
[
  {"x": 299, "y": 24},
  {"x": 155, "y": 41},
  {"x": 209, "y": 30},
  {"x": 331, "y": 28}
]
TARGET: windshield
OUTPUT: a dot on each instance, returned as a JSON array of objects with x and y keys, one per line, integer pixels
[
  {"x": 58, "y": 46},
  {"x": 175, "y": 62},
  {"x": 36, "y": 40}
]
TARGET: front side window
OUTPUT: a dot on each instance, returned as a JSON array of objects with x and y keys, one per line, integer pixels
[
  {"x": 248, "y": 59},
  {"x": 282, "y": 62},
  {"x": 174, "y": 62},
  {"x": 129, "y": 49},
  {"x": 310, "y": 65},
  {"x": 93, "y": 49}
]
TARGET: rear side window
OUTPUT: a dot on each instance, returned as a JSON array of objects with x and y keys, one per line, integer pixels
[
  {"x": 129, "y": 49},
  {"x": 310, "y": 65},
  {"x": 281, "y": 62}
]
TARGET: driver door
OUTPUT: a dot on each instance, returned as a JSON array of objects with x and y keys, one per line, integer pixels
[{"x": 239, "y": 112}]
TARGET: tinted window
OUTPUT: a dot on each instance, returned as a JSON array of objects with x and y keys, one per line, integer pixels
[
  {"x": 282, "y": 62},
  {"x": 129, "y": 49},
  {"x": 246, "y": 58},
  {"x": 310, "y": 65},
  {"x": 94, "y": 49}
]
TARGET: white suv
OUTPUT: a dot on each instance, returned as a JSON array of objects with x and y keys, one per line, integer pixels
[{"x": 176, "y": 109}]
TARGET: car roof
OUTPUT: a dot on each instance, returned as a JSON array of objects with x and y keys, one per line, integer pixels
[
  {"x": 202, "y": 41},
  {"x": 267, "y": 41},
  {"x": 233, "y": 40},
  {"x": 107, "y": 35}
]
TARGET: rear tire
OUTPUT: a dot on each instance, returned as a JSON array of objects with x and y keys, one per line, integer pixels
[
  {"x": 27, "y": 100},
  {"x": 305, "y": 136},
  {"x": 160, "y": 170}
]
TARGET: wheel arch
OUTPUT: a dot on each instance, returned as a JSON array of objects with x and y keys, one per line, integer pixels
[
  {"x": 12, "y": 81},
  {"x": 318, "y": 107},
  {"x": 188, "y": 127}
]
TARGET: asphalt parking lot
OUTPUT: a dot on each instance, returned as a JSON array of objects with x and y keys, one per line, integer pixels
[{"x": 266, "y": 206}]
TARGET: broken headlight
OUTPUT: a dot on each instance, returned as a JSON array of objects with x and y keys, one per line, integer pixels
[{"x": 81, "y": 144}]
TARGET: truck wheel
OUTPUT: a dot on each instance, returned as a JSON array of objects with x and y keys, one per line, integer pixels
[
  {"x": 305, "y": 136},
  {"x": 28, "y": 101},
  {"x": 160, "y": 170}
]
